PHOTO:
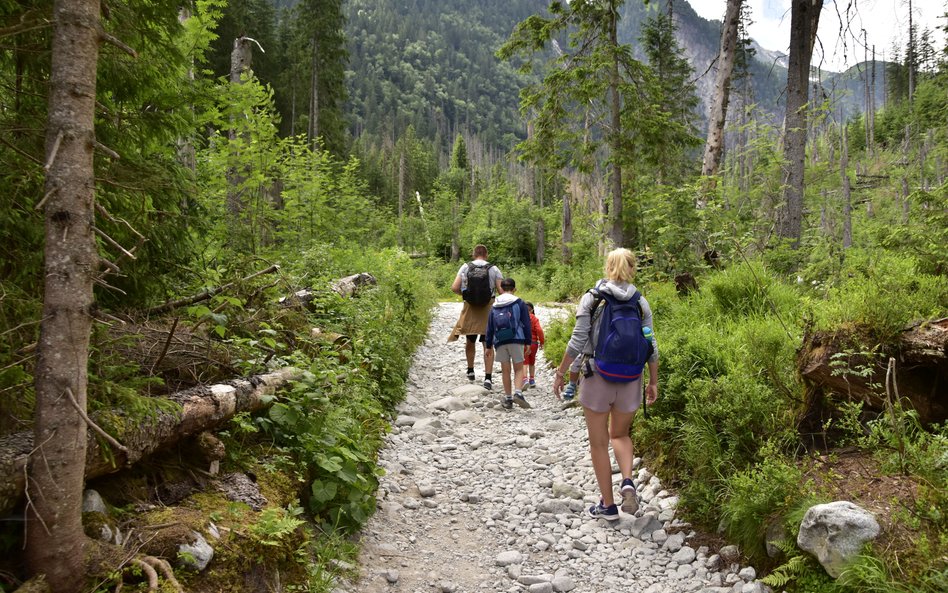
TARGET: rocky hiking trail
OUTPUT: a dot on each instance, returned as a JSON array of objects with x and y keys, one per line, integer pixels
[{"x": 478, "y": 498}]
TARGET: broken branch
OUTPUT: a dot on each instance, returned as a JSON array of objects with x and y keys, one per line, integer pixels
[
  {"x": 109, "y": 438},
  {"x": 113, "y": 242}
]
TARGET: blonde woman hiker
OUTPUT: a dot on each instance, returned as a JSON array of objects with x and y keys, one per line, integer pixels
[
  {"x": 613, "y": 337},
  {"x": 478, "y": 282}
]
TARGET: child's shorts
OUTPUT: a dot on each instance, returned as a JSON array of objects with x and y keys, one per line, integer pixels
[
  {"x": 530, "y": 353},
  {"x": 509, "y": 353}
]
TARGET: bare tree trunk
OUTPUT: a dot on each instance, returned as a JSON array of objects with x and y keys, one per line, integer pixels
[
  {"x": 867, "y": 99},
  {"x": 714, "y": 146},
  {"x": 911, "y": 57},
  {"x": 847, "y": 193},
  {"x": 314, "y": 96},
  {"x": 240, "y": 63},
  {"x": 905, "y": 201},
  {"x": 567, "y": 230},
  {"x": 872, "y": 103},
  {"x": 804, "y": 19},
  {"x": 55, "y": 541},
  {"x": 401, "y": 195},
  {"x": 615, "y": 108}
]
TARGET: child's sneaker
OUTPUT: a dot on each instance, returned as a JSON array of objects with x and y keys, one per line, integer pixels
[
  {"x": 525, "y": 385},
  {"x": 470, "y": 375},
  {"x": 487, "y": 384},
  {"x": 630, "y": 500},
  {"x": 533, "y": 382},
  {"x": 600, "y": 511},
  {"x": 569, "y": 397},
  {"x": 521, "y": 401},
  {"x": 507, "y": 402}
]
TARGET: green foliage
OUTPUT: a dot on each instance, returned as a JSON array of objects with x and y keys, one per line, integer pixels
[
  {"x": 557, "y": 333},
  {"x": 331, "y": 423},
  {"x": 881, "y": 293},
  {"x": 758, "y": 495},
  {"x": 750, "y": 289}
]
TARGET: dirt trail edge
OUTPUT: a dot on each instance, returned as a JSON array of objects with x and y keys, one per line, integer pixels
[{"x": 478, "y": 498}]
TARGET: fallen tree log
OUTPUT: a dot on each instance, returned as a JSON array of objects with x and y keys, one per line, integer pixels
[
  {"x": 347, "y": 287},
  {"x": 830, "y": 364},
  {"x": 202, "y": 408}
]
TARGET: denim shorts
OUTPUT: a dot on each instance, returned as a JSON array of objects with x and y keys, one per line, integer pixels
[{"x": 601, "y": 396}]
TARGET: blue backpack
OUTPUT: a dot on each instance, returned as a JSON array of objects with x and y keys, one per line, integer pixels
[
  {"x": 621, "y": 349},
  {"x": 506, "y": 322}
]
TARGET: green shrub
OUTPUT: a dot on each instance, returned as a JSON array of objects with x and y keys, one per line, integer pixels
[
  {"x": 758, "y": 495},
  {"x": 881, "y": 294},
  {"x": 557, "y": 334},
  {"x": 748, "y": 289}
]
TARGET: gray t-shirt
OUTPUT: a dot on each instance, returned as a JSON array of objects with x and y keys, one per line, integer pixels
[{"x": 495, "y": 275}]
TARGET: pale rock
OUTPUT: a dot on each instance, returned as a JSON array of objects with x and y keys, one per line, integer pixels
[
  {"x": 835, "y": 533},
  {"x": 564, "y": 490},
  {"x": 509, "y": 557},
  {"x": 196, "y": 554}
]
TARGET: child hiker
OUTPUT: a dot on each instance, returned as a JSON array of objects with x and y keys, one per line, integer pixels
[
  {"x": 508, "y": 330},
  {"x": 530, "y": 350}
]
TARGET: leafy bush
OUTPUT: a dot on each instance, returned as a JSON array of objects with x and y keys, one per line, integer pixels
[
  {"x": 882, "y": 293},
  {"x": 749, "y": 289},
  {"x": 332, "y": 421},
  {"x": 758, "y": 495}
]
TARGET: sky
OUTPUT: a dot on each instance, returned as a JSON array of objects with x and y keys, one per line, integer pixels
[{"x": 883, "y": 20}]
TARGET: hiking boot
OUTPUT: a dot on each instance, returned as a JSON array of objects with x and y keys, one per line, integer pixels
[
  {"x": 630, "y": 499},
  {"x": 507, "y": 403},
  {"x": 521, "y": 401},
  {"x": 470, "y": 376},
  {"x": 600, "y": 511},
  {"x": 487, "y": 384}
]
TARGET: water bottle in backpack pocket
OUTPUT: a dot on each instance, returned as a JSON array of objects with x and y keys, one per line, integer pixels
[{"x": 621, "y": 348}]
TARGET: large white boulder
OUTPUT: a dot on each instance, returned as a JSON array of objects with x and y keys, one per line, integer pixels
[{"x": 835, "y": 533}]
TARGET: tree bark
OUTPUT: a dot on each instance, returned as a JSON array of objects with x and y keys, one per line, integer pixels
[
  {"x": 714, "y": 146},
  {"x": 55, "y": 541},
  {"x": 922, "y": 372},
  {"x": 804, "y": 19},
  {"x": 567, "y": 230},
  {"x": 847, "y": 190},
  {"x": 203, "y": 408},
  {"x": 314, "y": 96},
  {"x": 615, "y": 107}
]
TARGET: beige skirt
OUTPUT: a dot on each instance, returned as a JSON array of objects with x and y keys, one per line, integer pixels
[{"x": 472, "y": 322}]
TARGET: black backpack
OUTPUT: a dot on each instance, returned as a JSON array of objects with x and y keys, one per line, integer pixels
[{"x": 479, "y": 290}]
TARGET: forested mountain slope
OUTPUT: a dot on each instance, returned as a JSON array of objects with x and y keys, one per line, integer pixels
[{"x": 431, "y": 64}]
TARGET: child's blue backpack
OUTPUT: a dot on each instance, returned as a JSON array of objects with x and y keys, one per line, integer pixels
[
  {"x": 506, "y": 320},
  {"x": 621, "y": 349}
]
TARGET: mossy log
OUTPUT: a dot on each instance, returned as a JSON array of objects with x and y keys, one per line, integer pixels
[
  {"x": 202, "y": 408},
  {"x": 921, "y": 369}
]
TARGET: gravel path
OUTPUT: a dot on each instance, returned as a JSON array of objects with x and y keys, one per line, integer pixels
[{"x": 478, "y": 498}]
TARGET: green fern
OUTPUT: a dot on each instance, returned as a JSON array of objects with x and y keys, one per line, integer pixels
[{"x": 789, "y": 570}]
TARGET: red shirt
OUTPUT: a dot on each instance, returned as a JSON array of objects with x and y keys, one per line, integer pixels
[{"x": 536, "y": 330}]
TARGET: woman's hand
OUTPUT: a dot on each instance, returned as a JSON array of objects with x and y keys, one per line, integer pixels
[
  {"x": 558, "y": 384},
  {"x": 651, "y": 393}
]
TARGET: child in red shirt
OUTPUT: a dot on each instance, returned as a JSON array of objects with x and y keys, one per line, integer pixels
[{"x": 530, "y": 350}]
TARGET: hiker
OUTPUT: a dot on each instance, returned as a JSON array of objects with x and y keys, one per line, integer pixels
[
  {"x": 611, "y": 369},
  {"x": 530, "y": 350},
  {"x": 508, "y": 331},
  {"x": 477, "y": 282}
]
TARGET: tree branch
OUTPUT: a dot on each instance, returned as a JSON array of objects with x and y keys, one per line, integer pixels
[{"x": 109, "y": 438}]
